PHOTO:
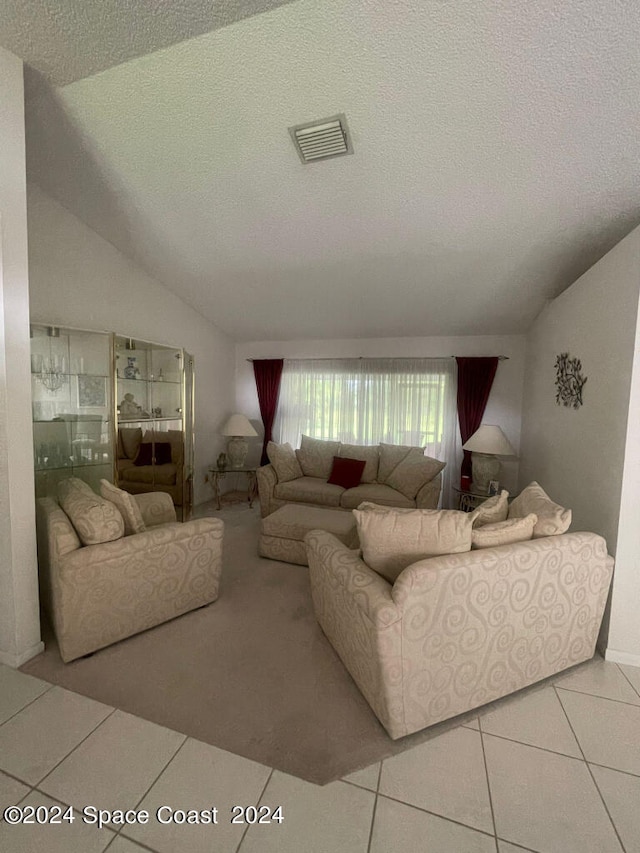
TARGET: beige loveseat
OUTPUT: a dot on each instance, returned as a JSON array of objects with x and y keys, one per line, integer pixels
[
  {"x": 138, "y": 479},
  {"x": 394, "y": 475},
  {"x": 455, "y": 632},
  {"x": 98, "y": 594}
]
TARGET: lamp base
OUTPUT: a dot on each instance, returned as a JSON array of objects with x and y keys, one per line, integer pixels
[
  {"x": 237, "y": 449},
  {"x": 484, "y": 467}
]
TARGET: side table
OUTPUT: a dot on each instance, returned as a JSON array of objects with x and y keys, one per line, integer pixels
[
  {"x": 217, "y": 474},
  {"x": 469, "y": 500}
]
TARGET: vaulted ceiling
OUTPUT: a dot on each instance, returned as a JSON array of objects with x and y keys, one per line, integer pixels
[{"x": 496, "y": 152}]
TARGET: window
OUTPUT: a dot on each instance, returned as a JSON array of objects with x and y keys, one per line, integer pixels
[{"x": 366, "y": 401}]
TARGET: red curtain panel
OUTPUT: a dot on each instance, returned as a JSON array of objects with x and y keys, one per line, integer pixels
[
  {"x": 267, "y": 372},
  {"x": 475, "y": 378}
]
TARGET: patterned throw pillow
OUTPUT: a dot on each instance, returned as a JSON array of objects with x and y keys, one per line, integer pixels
[
  {"x": 126, "y": 504},
  {"x": 492, "y": 511},
  {"x": 94, "y": 519},
  {"x": 393, "y": 539},
  {"x": 316, "y": 456},
  {"x": 504, "y": 532},
  {"x": 346, "y": 472},
  {"x": 415, "y": 470},
  {"x": 284, "y": 461},
  {"x": 553, "y": 519}
]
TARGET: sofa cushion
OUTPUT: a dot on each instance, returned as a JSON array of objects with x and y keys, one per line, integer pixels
[
  {"x": 346, "y": 472},
  {"x": 377, "y": 493},
  {"x": 314, "y": 490},
  {"x": 316, "y": 456},
  {"x": 504, "y": 532},
  {"x": 392, "y": 539},
  {"x": 126, "y": 504},
  {"x": 95, "y": 519},
  {"x": 390, "y": 456},
  {"x": 492, "y": 511},
  {"x": 411, "y": 474},
  {"x": 553, "y": 519},
  {"x": 130, "y": 438},
  {"x": 369, "y": 453},
  {"x": 284, "y": 460}
]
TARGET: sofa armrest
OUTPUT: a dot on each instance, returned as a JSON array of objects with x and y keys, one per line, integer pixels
[
  {"x": 156, "y": 508},
  {"x": 332, "y": 563},
  {"x": 429, "y": 495},
  {"x": 267, "y": 481}
]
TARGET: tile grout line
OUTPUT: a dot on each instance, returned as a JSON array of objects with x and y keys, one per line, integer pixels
[
  {"x": 262, "y": 793},
  {"x": 375, "y": 806},
  {"x": 124, "y": 826},
  {"x": 64, "y": 758},
  {"x": 593, "y": 778},
  {"x": 39, "y": 696},
  {"x": 624, "y": 675},
  {"x": 438, "y": 815},
  {"x": 486, "y": 773},
  {"x": 596, "y": 696}
]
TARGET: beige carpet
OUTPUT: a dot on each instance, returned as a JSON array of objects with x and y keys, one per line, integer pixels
[{"x": 252, "y": 673}]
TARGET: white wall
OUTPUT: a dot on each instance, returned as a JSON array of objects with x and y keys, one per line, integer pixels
[
  {"x": 503, "y": 408},
  {"x": 19, "y": 610},
  {"x": 78, "y": 279},
  {"x": 578, "y": 456}
]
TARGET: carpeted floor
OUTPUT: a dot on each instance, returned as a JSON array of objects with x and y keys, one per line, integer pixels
[{"x": 252, "y": 673}]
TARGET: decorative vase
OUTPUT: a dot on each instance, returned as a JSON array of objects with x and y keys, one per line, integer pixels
[{"x": 221, "y": 462}]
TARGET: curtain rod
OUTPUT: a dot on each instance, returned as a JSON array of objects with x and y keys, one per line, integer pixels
[{"x": 404, "y": 358}]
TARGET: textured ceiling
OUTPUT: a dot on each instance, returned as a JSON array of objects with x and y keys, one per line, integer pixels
[
  {"x": 67, "y": 40},
  {"x": 496, "y": 157}
]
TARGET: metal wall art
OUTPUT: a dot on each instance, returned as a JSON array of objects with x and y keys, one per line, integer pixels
[{"x": 569, "y": 381}]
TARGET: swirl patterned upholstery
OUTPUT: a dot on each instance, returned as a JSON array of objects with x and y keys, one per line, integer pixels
[
  {"x": 455, "y": 632},
  {"x": 99, "y": 594}
]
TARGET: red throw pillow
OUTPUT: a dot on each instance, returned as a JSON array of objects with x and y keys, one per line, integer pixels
[{"x": 346, "y": 472}]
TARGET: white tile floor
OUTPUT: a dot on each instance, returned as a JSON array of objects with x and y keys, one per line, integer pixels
[{"x": 556, "y": 768}]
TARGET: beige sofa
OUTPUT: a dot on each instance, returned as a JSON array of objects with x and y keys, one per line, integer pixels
[
  {"x": 389, "y": 477},
  {"x": 141, "y": 479},
  {"x": 98, "y": 594},
  {"x": 455, "y": 632}
]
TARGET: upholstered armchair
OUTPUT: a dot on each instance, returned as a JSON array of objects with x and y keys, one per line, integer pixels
[{"x": 99, "y": 594}]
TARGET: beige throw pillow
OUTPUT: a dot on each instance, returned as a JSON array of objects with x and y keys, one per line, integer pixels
[
  {"x": 504, "y": 532},
  {"x": 492, "y": 511},
  {"x": 553, "y": 519},
  {"x": 392, "y": 539},
  {"x": 284, "y": 461},
  {"x": 316, "y": 456},
  {"x": 410, "y": 475},
  {"x": 94, "y": 519},
  {"x": 126, "y": 504},
  {"x": 390, "y": 456},
  {"x": 369, "y": 454}
]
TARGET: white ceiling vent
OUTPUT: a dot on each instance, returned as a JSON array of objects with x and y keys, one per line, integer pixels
[{"x": 319, "y": 140}]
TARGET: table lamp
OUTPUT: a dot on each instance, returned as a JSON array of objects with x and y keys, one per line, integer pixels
[
  {"x": 486, "y": 444},
  {"x": 237, "y": 428}
]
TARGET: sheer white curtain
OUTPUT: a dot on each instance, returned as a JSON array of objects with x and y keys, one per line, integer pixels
[{"x": 365, "y": 401}]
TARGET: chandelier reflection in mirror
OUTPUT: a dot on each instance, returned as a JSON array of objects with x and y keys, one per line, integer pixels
[{"x": 50, "y": 371}]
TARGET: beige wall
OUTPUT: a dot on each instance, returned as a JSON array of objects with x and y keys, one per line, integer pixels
[
  {"x": 580, "y": 456},
  {"x": 19, "y": 611},
  {"x": 503, "y": 408},
  {"x": 78, "y": 279}
]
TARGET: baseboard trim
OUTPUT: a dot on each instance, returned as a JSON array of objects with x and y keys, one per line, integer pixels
[
  {"x": 616, "y": 656},
  {"x": 15, "y": 660}
]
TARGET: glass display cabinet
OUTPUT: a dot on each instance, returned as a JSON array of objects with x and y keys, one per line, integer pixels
[
  {"x": 112, "y": 407},
  {"x": 72, "y": 405},
  {"x": 154, "y": 401}
]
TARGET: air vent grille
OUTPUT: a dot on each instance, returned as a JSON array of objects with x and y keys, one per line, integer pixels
[{"x": 322, "y": 139}]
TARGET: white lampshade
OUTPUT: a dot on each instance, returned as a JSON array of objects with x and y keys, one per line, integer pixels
[
  {"x": 238, "y": 425},
  {"x": 489, "y": 439}
]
